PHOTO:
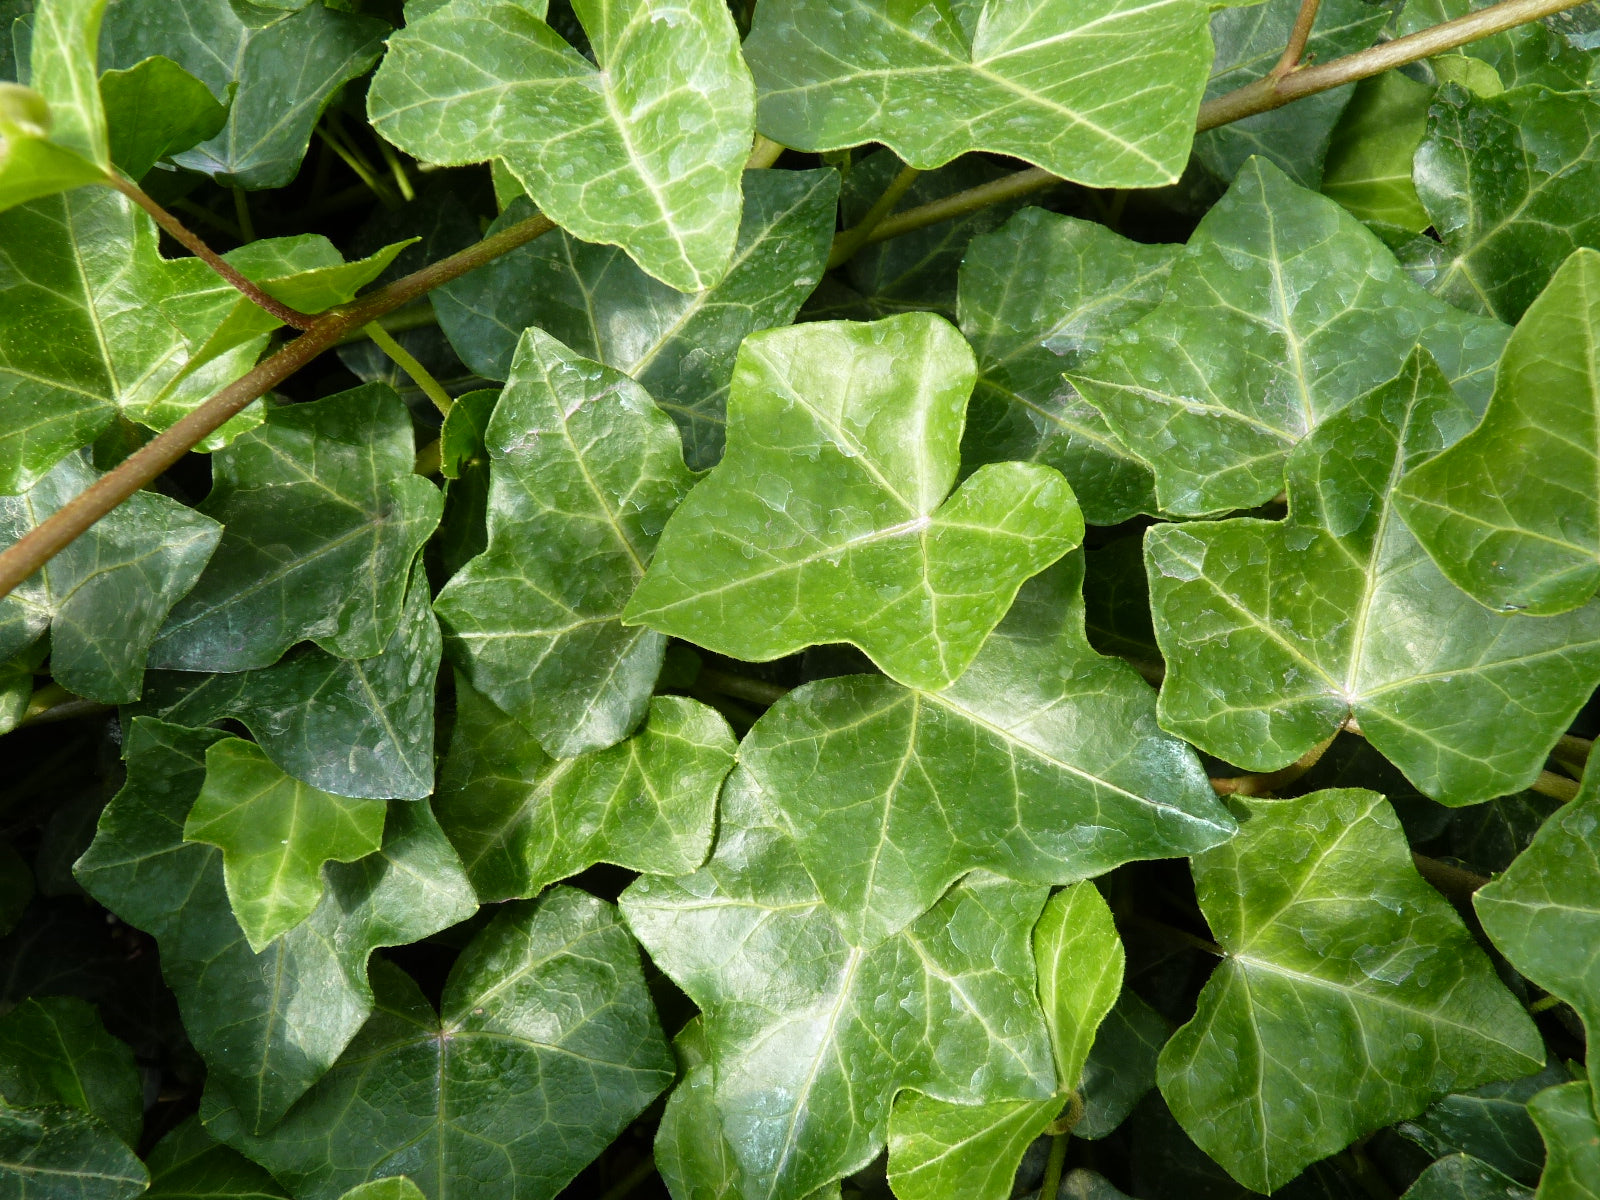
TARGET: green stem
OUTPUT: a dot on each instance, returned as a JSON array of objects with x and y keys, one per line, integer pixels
[
  {"x": 1173, "y": 932},
  {"x": 1555, "y": 786},
  {"x": 1545, "y": 1004},
  {"x": 764, "y": 153},
  {"x": 352, "y": 159},
  {"x": 398, "y": 170},
  {"x": 419, "y": 316},
  {"x": 1455, "y": 882},
  {"x": 1051, "y": 1183},
  {"x": 408, "y": 363},
  {"x": 852, "y": 239},
  {"x": 741, "y": 687},
  {"x": 1269, "y": 784},
  {"x": 241, "y": 213}
]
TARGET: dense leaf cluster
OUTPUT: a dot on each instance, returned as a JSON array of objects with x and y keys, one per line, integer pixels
[{"x": 887, "y": 619}]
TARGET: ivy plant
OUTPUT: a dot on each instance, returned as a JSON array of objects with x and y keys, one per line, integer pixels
[{"x": 799, "y": 599}]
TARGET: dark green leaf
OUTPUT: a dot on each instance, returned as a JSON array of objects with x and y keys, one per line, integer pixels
[
  {"x": 521, "y": 820},
  {"x": 1350, "y": 993},
  {"x": 546, "y": 1047},
  {"x": 1282, "y": 309},
  {"x": 55, "y": 1051},
  {"x": 1556, "y": 52},
  {"x": 1121, "y": 1067},
  {"x": 62, "y": 1154},
  {"x": 188, "y": 1165},
  {"x": 828, "y": 520},
  {"x": 154, "y": 110},
  {"x": 641, "y": 148},
  {"x": 1040, "y": 297},
  {"x": 1509, "y": 512},
  {"x": 1462, "y": 1177},
  {"x": 584, "y": 471},
  {"x": 104, "y": 597},
  {"x": 268, "y": 1025},
  {"x": 1489, "y": 1123},
  {"x": 680, "y": 347},
  {"x": 323, "y": 518},
  {"x": 1276, "y": 632}
]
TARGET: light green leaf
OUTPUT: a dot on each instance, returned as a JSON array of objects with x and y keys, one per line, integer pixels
[
  {"x": 1349, "y": 994},
  {"x": 268, "y": 1025},
  {"x": 680, "y": 347},
  {"x": 156, "y": 109},
  {"x": 1282, "y": 309},
  {"x": 1029, "y": 80},
  {"x": 521, "y": 820},
  {"x": 546, "y": 1047},
  {"x": 1368, "y": 168},
  {"x": 1543, "y": 914},
  {"x": 105, "y": 595},
  {"x": 808, "y": 1038},
  {"x": 63, "y": 1154},
  {"x": 30, "y": 165},
  {"x": 323, "y": 518},
  {"x": 1566, "y": 1119},
  {"x": 828, "y": 519},
  {"x": 65, "y": 35},
  {"x": 1509, "y": 513},
  {"x": 1509, "y": 184},
  {"x": 1295, "y": 137},
  {"x": 1040, "y": 297},
  {"x": 395, "y": 1187},
  {"x": 1043, "y": 763},
  {"x": 188, "y": 1165},
  {"x": 286, "y": 72},
  {"x": 275, "y": 834},
  {"x": 939, "y": 1150},
  {"x": 1462, "y": 1177},
  {"x": 1275, "y": 632},
  {"x": 641, "y": 148},
  {"x": 54, "y": 1050},
  {"x": 584, "y": 471},
  {"x": 358, "y": 728}
]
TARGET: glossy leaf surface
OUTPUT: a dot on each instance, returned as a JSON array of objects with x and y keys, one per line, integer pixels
[
  {"x": 156, "y": 109},
  {"x": 1565, "y": 1117},
  {"x": 56, "y": 1051},
  {"x": 1368, "y": 168},
  {"x": 1276, "y": 632},
  {"x": 1350, "y": 992},
  {"x": 828, "y": 519},
  {"x": 1462, "y": 1177},
  {"x": 63, "y": 1154},
  {"x": 641, "y": 148}
]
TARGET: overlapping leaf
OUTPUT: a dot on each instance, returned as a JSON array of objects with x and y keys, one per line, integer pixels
[
  {"x": 1349, "y": 995},
  {"x": 281, "y": 73},
  {"x": 1282, "y": 309},
  {"x": 1368, "y": 167},
  {"x": 268, "y": 1025},
  {"x": 1043, "y": 762},
  {"x": 679, "y": 347},
  {"x": 641, "y": 148},
  {"x": 156, "y": 109},
  {"x": 584, "y": 472},
  {"x": 522, "y": 820},
  {"x": 545, "y": 1047},
  {"x": 1275, "y": 632},
  {"x": 62, "y": 1154},
  {"x": 188, "y": 1164},
  {"x": 1103, "y": 93},
  {"x": 55, "y": 1051},
  {"x": 104, "y": 597},
  {"x": 1510, "y": 512},
  {"x": 938, "y": 1149},
  {"x": 1121, "y": 1067},
  {"x": 797, "y": 1021},
  {"x": 1566, "y": 1119},
  {"x": 1462, "y": 1177},
  {"x": 1557, "y": 51},
  {"x": 1040, "y": 297},
  {"x": 323, "y": 518},
  {"x": 1490, "y": 1124},
  {"x": 827, "y": 520}
]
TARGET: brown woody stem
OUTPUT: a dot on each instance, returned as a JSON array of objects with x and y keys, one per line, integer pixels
[{"x": 1295, "y": 50}]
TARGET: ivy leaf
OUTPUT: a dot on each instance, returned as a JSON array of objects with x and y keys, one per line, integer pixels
[
  {"x": 1548, "y": 901},
  {"x": 1040, "y": 297},
  {"x": 1515, "y": 541},
  {"x": 1349, "y": 994},
  {"x": 1027, "y": 80},
  {"x": 103, "y": 598},
  {"x": 358, "y": 728},
  {"x": 156, "y": 109},
  {"x": 188, "y": 1164},
  {"x": 322, "y": 519},
  {"x": 1566, "y": 1120},
  {"x": 1462, "y": 1177},
  {"x": 395, "y": 1187},
  {"x": 584, "y": 471},
  {"x": 522, "y": 820},
  {"x": 796, "y": 1019},
  {"x": 1490, "y": 1124},
  {"x": 1368, "y": 168},
  {"x": 63, "y": 1154},
  {"x": 546, "y": 1047},
  {"x": 1556, "y": 52},
  {"x": 1043, "y": 762},
  {"x": 275, "y": 833},
  {"x": 281, "y": 74},
  {"x": 827, "y": 520},
  {"x": 973, "y": 1151},
  {"x": 679, "y": 347},
  {"x": 1275, "y": 632},
  {"x": 1507, "y": 182},
  {"x": 1121, "y": 1067},
  {"x": 62, "y": 65},
  {"x": 268, "y": 1025},
  {"x": 31, "y": 166},
  {"x": 54, "y": 1050},
  {"x": 641, "y": 148},
  {"x": 1282, "y": 309}
]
